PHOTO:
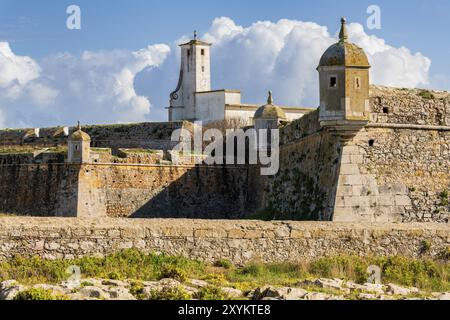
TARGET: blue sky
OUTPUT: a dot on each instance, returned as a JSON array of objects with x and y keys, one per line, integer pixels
[{"x": 37, "y": 29}]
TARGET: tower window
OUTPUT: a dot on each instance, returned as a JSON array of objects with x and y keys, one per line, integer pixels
[
  {"x": 76, "y": 148},
  {"x": 203, "y": 52},
  {"x": 357, "y": 83},
  {"x": 203, "y": 69},
  {"x": 371, "y": 143},
  {"x": 189, "y": 52},
  {"x": 333, "y": 82},
  {"x": 385, "y": 110}
]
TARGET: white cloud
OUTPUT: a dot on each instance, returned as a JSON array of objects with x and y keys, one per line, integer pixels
[
  {"x": 283, "y": 56},
  {"x": 122, "y": 86},
  {"x": 96, "y": 87}
]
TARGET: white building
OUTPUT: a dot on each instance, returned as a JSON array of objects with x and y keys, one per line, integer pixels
[{"x": 193, "y": 98}]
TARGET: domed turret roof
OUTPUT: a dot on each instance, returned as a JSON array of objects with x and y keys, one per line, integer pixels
[
  {"x": 269, "y": 111},
  {"x": 344, "y": 53},
  {"x": 79, "y": 135}
]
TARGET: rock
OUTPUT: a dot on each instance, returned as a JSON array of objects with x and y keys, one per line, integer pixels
[
  {"x": 367, "y": 296},
  {"x": 367, "y": 287},
  {"x": 231, "y": 292},
  {"x": 192, "y": 291},
  {"x": 93, "y": 292},
  {"x": 402, "y": 291},
  {"x": 444, "y": 296},
  {"x": 336, "y": 284},
  {"x": 198, "y": 283},
  {"x": 9, "y": 289},
  {"x": 115, "y": 283},
  {"x": 281, "y": 293},
  {"x": 120, "y": 293},
  {"x": 169, "y": 283},
  {"x": 316, "y": 296}
]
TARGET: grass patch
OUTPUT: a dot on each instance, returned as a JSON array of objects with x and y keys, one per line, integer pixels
[
  {"x": 169, "y": 293},
  {"x": 423, "y": 273},
  {"x": 39, "y": 294},
  {"x": 127, "y": 264},
  {"x": 211, "y": 293},
  {"x": 426, "y": 94}
]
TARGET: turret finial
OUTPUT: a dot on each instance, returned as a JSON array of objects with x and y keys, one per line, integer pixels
[
  {"x": 270, "y": 98},
  {"x": 195, "y": 34},
  {"x": 78, "y": 125},
  {"x": 343, "y": 35}
]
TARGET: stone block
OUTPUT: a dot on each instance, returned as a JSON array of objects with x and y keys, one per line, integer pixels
[
  {"x": 402, "y": 201},
  {"x": 349, "y": 169}
]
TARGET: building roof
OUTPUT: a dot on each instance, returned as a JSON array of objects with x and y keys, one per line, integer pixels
[
  {"x": 344, "y": 53},
  {"x": 270, "y": 111},
  {"x": 79, "y": 135},
  {"x": 196, "y": 42}
]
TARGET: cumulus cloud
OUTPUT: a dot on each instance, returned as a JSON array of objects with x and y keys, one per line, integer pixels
[
  {"x": 282, "y": 56},
  {"x": 95, "y": 87},
  {"x": 122, "y": 86}
]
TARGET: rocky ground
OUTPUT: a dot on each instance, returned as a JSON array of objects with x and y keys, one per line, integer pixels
[{"x": 319, "y": 289}]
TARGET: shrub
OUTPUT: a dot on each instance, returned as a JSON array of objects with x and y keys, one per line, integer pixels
[
  {"x": 39, "y": 294},
  {"x": 425, "y": 246},
  {"x": 211, "y": 293},
  {"x": 443, "y": 196},
  {"x": 173, "y": 272},
  {"x": 223, "y": 263},
  {"x": 137, "y": 290},
  {"x": 425, "y": 94},
  {"x": 169, "y": 293}
]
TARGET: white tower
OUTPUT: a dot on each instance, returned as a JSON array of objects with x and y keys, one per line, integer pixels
[{"x": 195, "y": 76}]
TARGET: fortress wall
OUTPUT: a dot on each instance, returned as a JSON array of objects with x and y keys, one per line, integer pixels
[
  {"x": 304, "y": 188},
  {"x": 150, "y": 135},
  {"x": 169, "y": 191},
  {"x": 409, "y": 106},
  {"x": 40, "y": 190},
  {"x": 238, "y": 241},
  {"x": 403, "y": 177}
]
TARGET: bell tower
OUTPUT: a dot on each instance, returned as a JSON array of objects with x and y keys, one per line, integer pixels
[{"x": 195, "y": 76}]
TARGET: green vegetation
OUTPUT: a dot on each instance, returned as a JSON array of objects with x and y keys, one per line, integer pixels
[
  {"x": 426, "y": 274},
  {"x": 168, "y": 293},
  {"x": 223, "y": 263},
  {"x": 426, "y": 94},
  {"x": 425, "y": 246},
  {"x": 211, "y": 293},
  {"x": 173, "y": 272},
  {"x": 39, "y": 294},
  {"x": 444, "y": 198}
]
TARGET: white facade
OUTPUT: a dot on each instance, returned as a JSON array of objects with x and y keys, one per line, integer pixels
[
  {"x": 194, "y": 100},
  {"x": 195, "y": 76}
]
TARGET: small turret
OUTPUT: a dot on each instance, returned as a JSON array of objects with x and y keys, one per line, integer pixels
[
  {"x": 268, "y": 117},
  {"x": 344, "y": 86},
  {"x": 79, "y": 146}
]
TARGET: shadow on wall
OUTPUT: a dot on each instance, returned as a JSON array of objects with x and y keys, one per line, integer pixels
[
  {"x": 206, "y": 193},
  {"x": 149, "y": 191},
  {"x": 39, "y": 189}
]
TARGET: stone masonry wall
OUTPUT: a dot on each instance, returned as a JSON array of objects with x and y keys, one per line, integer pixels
[
  {"x": 238, "y": 241},
  {"x": 396, "y": 175},
  {"x": 397, "y": 169},
  {"x": 170, "y": 191},
  {"x": 127, "y": 190},
  {"x": 39, "y": 190},
  {"x": 137, "y": 135}
]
